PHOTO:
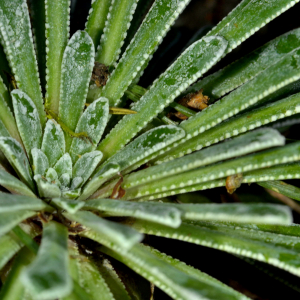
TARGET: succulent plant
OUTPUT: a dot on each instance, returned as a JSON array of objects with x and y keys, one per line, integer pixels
[{"x": 82, "y": 187}]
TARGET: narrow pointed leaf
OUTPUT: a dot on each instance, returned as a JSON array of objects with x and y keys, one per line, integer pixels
[
  {"x": 102, "y": 174},
  {"x": 86, "y": 165},
  {"x": 280, "y": 257},
  {"x": 242, "y": 145},
  {"x": 53, "y": 144},
  {"x": 77, "y": 66},
  {"x": 236, "y": 125},
  {"x": 17, "y": 158},
  {"x": 112, "y": 232},
  {"x": 47, "y": 277},
  {"x": 8, "y": 220},
  {"x": 14, "y": 185},
  {"x": 40, "y": 163},
  {"x": 167, "y": 215},
  {"x": 14, "y": 203},
  {"x": 92, "y": 122},
  {"x": 57, "y": 34},
  {"x": 146, "y": 40},
  {"x": 47, "y": 189},
  {"x": 115, "y": 30},
  {"x": 15, "y": 26},
  {"x": 145, "y": 145},
  {"x": 10, "y": 245},
  {"x": 28, "y": 120},
  {"x": 180, "y": 75},
  {"x": 70, "y": 206},
  {"x": 240, "y": 23},
  {"x": 96, "y": 20},
  {"x": 175, "y": 282}
]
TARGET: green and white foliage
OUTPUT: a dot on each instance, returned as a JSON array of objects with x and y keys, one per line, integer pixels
[{"x": 77, "y": 196}]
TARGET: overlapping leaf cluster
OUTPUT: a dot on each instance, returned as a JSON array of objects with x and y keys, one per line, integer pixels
[{"x": 67, "y": 183}]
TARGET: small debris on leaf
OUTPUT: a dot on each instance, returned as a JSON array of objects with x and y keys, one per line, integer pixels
[
  {"x": 233, "y": 182},
  {"x": 100, "y": 74}
]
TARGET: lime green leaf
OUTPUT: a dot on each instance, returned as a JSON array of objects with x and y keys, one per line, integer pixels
[
  {"x": 112, "y": 232},
  {"x": 93, "y": 122},
  {"x": 17, "y": 158},
  {"x": 170, "y": 84},
  {"x": 175, "y": 281},
  {"x": 102, "y": 174},
  {"x": 77, "y": 66},
  {"x": 40, "y": 163},
  {"x": 241, "y": 23},
  {"x": 15, "y": 26},
  {"x": 154, "y": 212},
  {"x": 47, "y": 277},
  {"x": 14, "y": 185},
  {"x": 116, "y": 26},
  {"x": 96, "y": 20},
  {"x": 53, "y": 144},
  {"x": 57, "y": 34},
  {"x": 146, "y": 40},
  {"x": 28, "y": 120}
]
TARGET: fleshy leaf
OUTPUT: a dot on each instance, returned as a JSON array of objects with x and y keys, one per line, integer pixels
[
  {"x": 169, "y": 85},
  {"x": 112, "y": 232},
  {"x": 93, "y": 122},
  {"x": 96, "y": 20},
  {"x": 70, "y": 206},
  {"x": 47, "y": 277},
  {"x": 86, "y": 165},
  {"x": 57, "y": 34},
  {"x": 64, "y": 165},
  {"x": 40, "y": 163},
  {"x": 47, "y": 189},
  {"x": 28, "y": 120},
  {"x": 102, "y": 174},
  {"x": 15, "y": 26},
  {"x": 77, "y": 66},
  {"x": 17, "y": 158},
  {"x": 179, "y": 283},
  {"x": 10, "y": 245},
  {"x": 154, "y": 212},
  {"x": 53, "y": 144},
  {"x": 14, "y": 185}
]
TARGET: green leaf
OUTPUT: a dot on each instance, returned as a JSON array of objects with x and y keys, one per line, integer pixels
[
  {"x": 77, "y": 66},
  {"x": 64, "y": 165},
  {"x": 236, "y": 212},
  {"x": 236, "y": 125},
  {"x": 225, "y": 80},
  {"x": 53, "y": 144},
  {"x": 14, "y": 203},
  {"x": 282, "y": 188},
  {"x": 170, "y": 84},
  {"x": 173, "y": 280},
  {"x": 93, "y": 122},
  {"x": 13, "y": 288},
  {"x": 86, "y": 164},
  {"x": 146, "y": 40},
  {"x": 70, "y": 206},
  {"x": 15, "y": 26},
  {"x": 155, "y": 212},
  {"x": 40, "y": 163},
  {"x": 57, "y": 34},
  {"x": 10, "y": 245},
  {"x": 146, "y": 145},
  {"x": 8, "y": 220},
  {"x": 47, "y": 189},
  {"x": 250, "y": 162},
  {"x": 111, "y": 232},
  {"x": 96, "y": 20},
  {"x": 240, "y": 23},
  {"x": 241, "y": 145},
  {"x": 28, "y": 120},
  {"x": 47, "y": 277},
  {"x": 17, "y": 158},
  {"x": 14, "y": 185},
  {"x": 116, "y": 26},
  {"x": 102, "y": 174},
  {"x": 280, "y": 257}
]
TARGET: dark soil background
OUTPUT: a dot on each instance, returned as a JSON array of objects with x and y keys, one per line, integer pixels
[{"x": 230, "y": 269}]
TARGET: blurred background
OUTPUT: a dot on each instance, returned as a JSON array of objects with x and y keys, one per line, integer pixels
[{"x": 246, "y": 276}]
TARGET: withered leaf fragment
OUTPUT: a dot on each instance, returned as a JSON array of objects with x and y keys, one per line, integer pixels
[
  {"x": 100, "y": 74},
  {"x": 233, "y": 182}
]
